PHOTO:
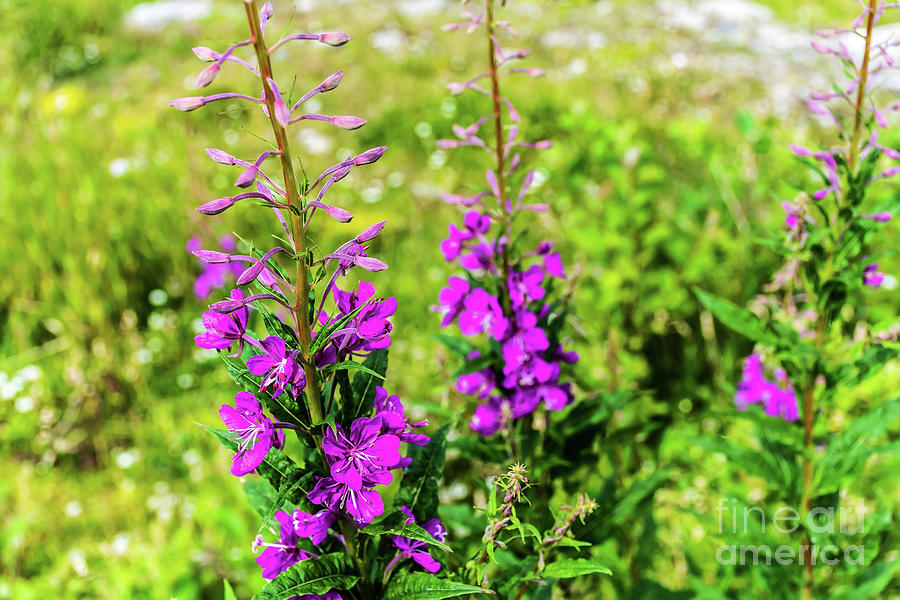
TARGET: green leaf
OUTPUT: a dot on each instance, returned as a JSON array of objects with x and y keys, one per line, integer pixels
[
  {"x": 848, "y": 451},
  {"x": 362, "y": 391},
  {"x": 275, "y": 468},
  {"x": 458, "y": 346},
  {"x": 288, "y": 490},
  {"x": 260, "y": 495},
  {"x": 276, "y": 327},
  {"x": 316, "y": 576},
  {"x": 395, "y": 523},
  {"x": 733, "y": 316},
  {"x": 425, "y": 586},
  {"x": 419, "y": 487},
  {"x": 574, "y": 567},
  {"x": 229, "y": 593}
]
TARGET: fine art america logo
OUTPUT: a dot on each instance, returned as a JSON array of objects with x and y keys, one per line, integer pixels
[{"x": 740, "y": 518}]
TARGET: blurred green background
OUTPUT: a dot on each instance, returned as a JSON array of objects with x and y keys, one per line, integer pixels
[{"x": 671, "y": 122}]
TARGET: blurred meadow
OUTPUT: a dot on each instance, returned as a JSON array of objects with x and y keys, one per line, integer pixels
[{"x": 672, "y": 121}]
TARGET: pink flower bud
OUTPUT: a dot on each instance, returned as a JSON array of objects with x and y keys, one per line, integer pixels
[
  {"x": 369, "y": 156},
  {"x": 340, "y": 174},
  {"x": 370, "y": 232},
  {"x": 282, "y": 114},
  {"x": 334, "y": 38},
  {"x": 447, "y": 144},
  {"x": 207, "y": 75},
  {"x": 215, "y": 207},
  {"x": 881, "y": 217},
  {"x": 204, "y": 53},
  {"x": 369, "y": 264},
  {"x": 226, "y": 306},
  {"x": 332, "y": 81},
  {"x": 188, "y": 103},
  {"x": 347, "y": 122},
  {"x": 247, "y": 177},
  {"x": 543, "y": 144},
  {"x": 220, "y": 156},
  {"x": 456, "y": 87},
  {"x": 211, "y": 257},
  {"x": 339, "y": 214},
  {"x": 250, "y": 273},
  {"x": 801, "y": 151}
]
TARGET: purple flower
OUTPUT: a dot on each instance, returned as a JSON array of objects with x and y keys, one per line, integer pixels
[
  {"x": 777, "y": 396},
  {"x": 277, "y": 558},
  {"x": 313, "y": 526},
  {"x": 452, "y": 246},
  {"x": 871, "y": 275},
  {"x": 255, "y": 432},
  {"x": 417, "y": 549},
  {"x": 363, "y": 505},
  {"x": 480, "y": 383},
  {"x": 213, "y": 276},
  {"x": 222, "y": 330},
  {"x": 279, "y": 367},
  {"x": 364, "y": 455},
  {"x": 526, "y": 287},
  {"x": 482, "y": 314},
  {"x": 451, "y": 299},
  {"x": 479, "y": 258},
  {"x": 488, "y": 418},
  {"x": 526, "y": 340},
  {"x": 394, "y": 421},
  {"x": 370, "y": 328},
  {"x": 476, "y": 223}
]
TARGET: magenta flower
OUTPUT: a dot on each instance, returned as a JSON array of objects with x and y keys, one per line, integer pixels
[
  {"x": 363, "y": 505},
  {"x": 370, "y": 329},
  {"x": 526, "y": 287},
  {"x": 223, "y": 330},
  {"x": 277, "y": 558},
  {"x": 255, "y": 432},
  {"x": 488, "y": 418},
  {"x": 417, "y": 549},
  {"x": 313, "y": 526},
  {"x": 871, "y": 275},
  {"x": 395, "y": 422},
  {"x": 452, "y": 299},
  {"x": 453, "y": 245},
  {"x": 214, "y": 275},
  {"x": 482, "y": 314},
  {"x": 362, "y": 456},
  {"x": 777, "y": 396},
  {"x": 279, "y": 368},
  {"x": 326, "y": 596},
  {"x": 526, "y": 340}
]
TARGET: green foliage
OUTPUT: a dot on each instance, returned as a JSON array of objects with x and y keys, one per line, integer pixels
[
  {"x": 326, "y": 573},
  {"x": 419, "y": 487},
  {"x": 573, "y": 567},
  {"x": 425, "y": 586}
]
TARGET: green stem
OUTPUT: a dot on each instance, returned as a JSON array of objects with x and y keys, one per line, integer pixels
[{"x": 300, "y": 311}]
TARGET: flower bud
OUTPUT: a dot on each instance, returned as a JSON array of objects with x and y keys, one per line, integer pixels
[
  {"x": 543, "y": 144},
  {"x": 207, "y": 75},
  {"x": 334, "y": 38},
  {"x": 369, "y": 156},
  {"x": 206, "y": 54},
  {"x": 339, "y": 214},
  {"x": 881, "y": 217},
  {"x": 226, "y": 306},
  {"x": 370, "y": 232},
  {"x": 220, "y": 156},
  {"x": 332, "y": 81},
  {"x": 282, "y": 114},
  {"x": 457, "y": 87},
  {"x": 247, "y": 177},
  {"x": 347, "y": 122},
  {"x": 212, "y": 257},
  {"x": 250, "y": 273},
  {"x": 215, "y": 207},
  {"x": 369, "y": 264},
  {"x": 188, "y": 103}
]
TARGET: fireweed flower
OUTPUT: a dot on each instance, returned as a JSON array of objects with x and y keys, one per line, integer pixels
[
  {"x": 362, "y": 505},
  {"x": 777, "y": 397},
  {"x": 327, "y": 596},
  {"x": 223, "y": 330},
  {"x": 255, "y": 433},
  {"x": 363, "y": 454},
  {"x": 313, "y": 526},
  {"x": 279, "y": 368},
  {"x": 395, "y": 422},
  {"x": 417, "y": 550},
  {"x": 507, "y": 293},
  {"x": 871, "y": 275},
  {"x": 369, "y": 330},
  {"x": 279, "y": 557}
]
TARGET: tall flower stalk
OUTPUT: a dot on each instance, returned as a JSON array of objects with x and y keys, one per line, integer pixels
[
  {"x": 328, "y": 506},
  {"x": 828, "y": 267},
  {"x": 515, "y": 298}
]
